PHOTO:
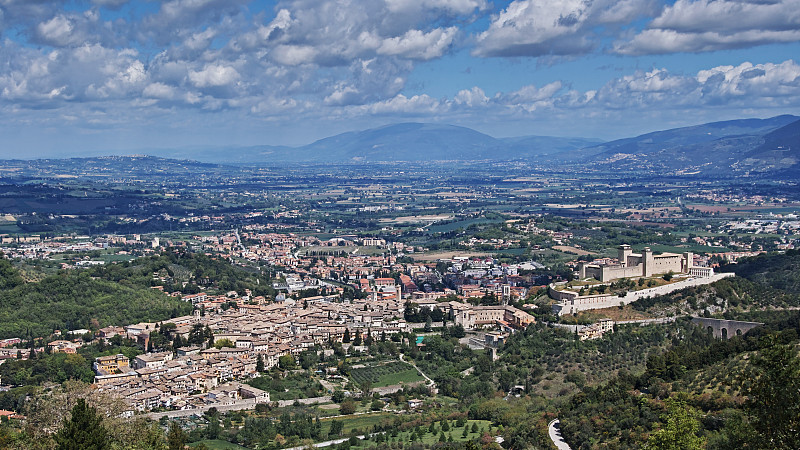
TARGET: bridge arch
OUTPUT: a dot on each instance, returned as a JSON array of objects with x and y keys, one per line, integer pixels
[{"x": 725, "y": 329}]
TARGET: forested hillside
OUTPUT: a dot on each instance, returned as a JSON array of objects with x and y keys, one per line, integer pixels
[
  {"x": 73, "y": 300},
  {"x": 703, "y": 392},
  {"x": 115, "y": 294},
  {"x": 724, "y": 412},
  {"x": 779, "y": 271}
]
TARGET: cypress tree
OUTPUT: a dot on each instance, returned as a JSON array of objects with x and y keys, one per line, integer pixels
[
  {"x": 83, "y": 430},
  {"x": 176, "y": 437}
]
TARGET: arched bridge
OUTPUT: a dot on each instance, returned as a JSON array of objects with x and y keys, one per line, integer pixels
[{"x": 725, "y": 329}]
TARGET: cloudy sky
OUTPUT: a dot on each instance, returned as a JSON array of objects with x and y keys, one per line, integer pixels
[{"x": 110, "y": 76}]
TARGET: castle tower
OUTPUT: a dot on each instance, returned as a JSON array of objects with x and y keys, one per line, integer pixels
[
  {"x": 647, "y": 262},
  {"x": 623, "y": 252},
  {"x": 688, "y": 262}
]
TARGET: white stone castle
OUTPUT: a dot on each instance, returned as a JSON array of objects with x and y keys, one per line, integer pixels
[{"x": 644, "y": 264}]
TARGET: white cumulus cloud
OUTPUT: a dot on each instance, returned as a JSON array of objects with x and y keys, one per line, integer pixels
[
  {"x": 709, "y": 25},
  {"x": 544, "y": 27},
  {"x": 416, "y": 44},
  {"x": 214, "y": 75}
]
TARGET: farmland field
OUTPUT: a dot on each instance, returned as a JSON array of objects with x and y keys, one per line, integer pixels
[
  {"x": 386, "y": 374},
  {"x": 452, "y": 226}
]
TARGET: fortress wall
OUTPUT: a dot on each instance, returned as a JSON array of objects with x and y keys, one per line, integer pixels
[
  {"x": 561, "y": 295},
  {"x": 634, "y": 260},
  {"x": 665, "y": 264},
  {"x": 612, "y": 273},
  {"x": 571, "y": 307}
]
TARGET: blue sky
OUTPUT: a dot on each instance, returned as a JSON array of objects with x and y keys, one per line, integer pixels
[{"x": 117, "y": 76}]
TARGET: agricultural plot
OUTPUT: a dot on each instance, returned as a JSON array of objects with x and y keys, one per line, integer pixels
[
  {"x": 452, "y": 226},
  {"x": 386, "y": 374},
  {"x": 431, "y": 436}
]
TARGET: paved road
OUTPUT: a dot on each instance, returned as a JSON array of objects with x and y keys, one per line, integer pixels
[
  {"x": 235, "y": 406},
  {"x": 649, "y": 321},
  {"x": 325, "y": 444},
  {"x": 555, "y": 435}
]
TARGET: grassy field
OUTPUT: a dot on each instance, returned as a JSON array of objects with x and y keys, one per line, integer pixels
[
  {"x": 447, "y": 227},
  {"x": 386, "y": 374},
  {"x": 457, "y": 434},
  {"x": 113, "y": 258},
  {"x": 510, "y": 251},
  {"x": 573, "y": 250},
  {"x": 359, "y": 422}
]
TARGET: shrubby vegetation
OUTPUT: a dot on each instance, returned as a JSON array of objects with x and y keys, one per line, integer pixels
[
  {"x": 194, "y": 269},
  {"x": 73, "y": 300}
]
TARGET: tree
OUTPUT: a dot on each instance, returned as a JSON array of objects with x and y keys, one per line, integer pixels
[
  {"x": 337, "y": 396},
  {"x": 366, "y": 388},
  {"x": 213, "y": 428},
  {"x": 357, "y": 339},
  {"x": 428, "y": 324},
  {"x": 83, "y": 430},
  {"x": 336, "y": 428},
  {"x": 346, "y": 338},
  {"x": 774, "y": 397},
  {"x": 197, "y": 335},
  {"x": 224, "y": 343},
  {"x": 680, "y": 430},
  {"x": 260, "y": 364},
  {"x": 347, "y": 407},
  {"x": 286, "y": 362},
  {"x": 176, "y": 437}
]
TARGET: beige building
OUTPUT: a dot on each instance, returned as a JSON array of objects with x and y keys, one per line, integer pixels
[
  {"x": 106, "y": 365},
  {"x": 645, "y": 264},
  {"x": 596, "y": 330},
  {"x": 480, "y": 316}
]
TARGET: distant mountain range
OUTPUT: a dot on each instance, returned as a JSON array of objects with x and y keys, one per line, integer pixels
[
  {"x": 398, "y": 142},
  {"x": 748, "y": 145},
  {"x": 734, "y": 146}
]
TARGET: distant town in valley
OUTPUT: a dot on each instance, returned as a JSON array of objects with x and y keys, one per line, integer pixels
[{"x": 469, "y": 303}]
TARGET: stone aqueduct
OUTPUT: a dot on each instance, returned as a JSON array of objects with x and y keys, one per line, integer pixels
[{"x": 725, "y": 329}]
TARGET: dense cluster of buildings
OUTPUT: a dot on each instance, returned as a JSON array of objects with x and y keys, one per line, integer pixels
[{"x": 197, "y": 376}]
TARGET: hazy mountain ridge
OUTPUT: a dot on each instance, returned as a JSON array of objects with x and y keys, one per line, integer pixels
[
  {"x": 780, "y": 150},
  {"x": 736, "y": 146},
  {"x": 391, "y": 143},
  {"x": 717, "y": 147}
]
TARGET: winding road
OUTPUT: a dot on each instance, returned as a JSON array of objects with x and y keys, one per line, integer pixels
[
  {"x": 555, "y": 435},
  {"x": 431, "y": 383}
]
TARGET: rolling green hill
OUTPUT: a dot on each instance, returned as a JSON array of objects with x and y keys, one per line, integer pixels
[{"x": 73, "y": 300}]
